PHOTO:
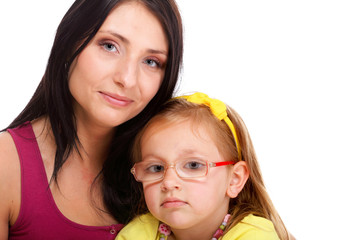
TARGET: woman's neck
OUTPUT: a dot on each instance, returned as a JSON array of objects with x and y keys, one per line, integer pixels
[{"x": 94, "y": 142}]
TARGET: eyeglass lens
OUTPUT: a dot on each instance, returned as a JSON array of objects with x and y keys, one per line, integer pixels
[{"x": 188, "y": 168}]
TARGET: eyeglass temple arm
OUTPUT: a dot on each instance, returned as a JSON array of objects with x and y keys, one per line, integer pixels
[{"x": 218, "y": 164}]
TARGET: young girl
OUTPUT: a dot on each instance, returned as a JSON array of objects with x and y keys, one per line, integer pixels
[{"x": 200, "y": 176}]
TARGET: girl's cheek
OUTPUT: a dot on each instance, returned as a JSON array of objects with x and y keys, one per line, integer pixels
[{"x": 151, "y": 198}]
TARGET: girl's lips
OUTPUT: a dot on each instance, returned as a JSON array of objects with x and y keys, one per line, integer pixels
[
  {"x": 115, "y": 99},
  {"x": 172, "y": 203}
]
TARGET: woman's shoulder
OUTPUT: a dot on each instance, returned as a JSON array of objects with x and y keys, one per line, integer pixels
[
  {"x": 10, "y": 145},
  {"x": 9, "y": 160},
  {"x": 141, "y": 227},
  {"x": 252, "y": 227}
]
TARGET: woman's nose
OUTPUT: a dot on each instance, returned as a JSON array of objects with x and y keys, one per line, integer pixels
[
  {"x": 126, "y": 73},
  {"x": 171, "y": 180}
]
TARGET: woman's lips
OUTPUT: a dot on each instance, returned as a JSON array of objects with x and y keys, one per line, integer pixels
[{"x": 115, "y": 99}]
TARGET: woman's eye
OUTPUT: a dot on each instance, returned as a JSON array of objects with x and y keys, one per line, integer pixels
[
  {"x": 109, "y": 47},
  {"x": 194, "y": 165},
  {"x": 152, "y": 63},
  {"x": 155, "y": 168}
]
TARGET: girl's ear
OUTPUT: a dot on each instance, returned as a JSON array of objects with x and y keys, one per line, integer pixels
[{"x": 238, "y": 178}]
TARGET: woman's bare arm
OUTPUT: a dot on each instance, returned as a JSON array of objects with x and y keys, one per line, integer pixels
[{"x": 9, "y": 184}]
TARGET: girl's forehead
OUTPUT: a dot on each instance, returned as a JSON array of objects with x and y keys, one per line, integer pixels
[
  {"x": 184, "y": 128},
  {"x": 179, "y": 140},
  {"x": 163, "y": 123}
]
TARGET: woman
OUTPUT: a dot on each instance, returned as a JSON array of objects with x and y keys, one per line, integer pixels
[{"x": 113, "y": 63}]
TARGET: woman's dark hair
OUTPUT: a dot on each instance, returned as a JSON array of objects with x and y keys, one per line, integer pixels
[{"x": 52, "y": 97}]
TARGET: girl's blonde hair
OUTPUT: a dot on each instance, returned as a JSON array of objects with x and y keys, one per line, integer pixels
[{"x": 253, "y": 198}]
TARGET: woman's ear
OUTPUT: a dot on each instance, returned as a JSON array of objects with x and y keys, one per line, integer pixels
[{"x": 238, "y": 178}]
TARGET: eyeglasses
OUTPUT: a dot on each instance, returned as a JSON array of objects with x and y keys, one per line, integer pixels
[{"x": 148, "y": 171}]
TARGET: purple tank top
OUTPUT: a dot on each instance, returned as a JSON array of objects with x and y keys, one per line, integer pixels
[{"x": 39, "y": 218}]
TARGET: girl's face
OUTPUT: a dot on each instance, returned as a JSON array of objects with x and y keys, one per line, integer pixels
[
  {"x": 121, "y": 69},
  {"x": 191, "y": 204}
]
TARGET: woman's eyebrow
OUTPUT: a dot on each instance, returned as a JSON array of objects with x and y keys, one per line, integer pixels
[
  {"x": 126, "y": 41},
  {"x": 117, "y": 35},
  {"x": 157, "y": 51}
]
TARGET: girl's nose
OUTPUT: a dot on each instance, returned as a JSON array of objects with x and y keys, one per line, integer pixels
[
  {"x": 126, "y": 73},
  {"x": 171, "y": 180}
]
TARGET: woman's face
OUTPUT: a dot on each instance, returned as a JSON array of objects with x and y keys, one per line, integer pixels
[{"x": 121, "y": 69}]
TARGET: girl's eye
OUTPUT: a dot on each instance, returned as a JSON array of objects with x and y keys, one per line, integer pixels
[
  {"x": 109, "y": 47},
  {"x": 194, "y": 165},
  {"x": 152, "y": 63},
  {"x": 155, "y": 169}
]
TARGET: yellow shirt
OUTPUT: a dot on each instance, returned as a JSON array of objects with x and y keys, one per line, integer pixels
[
  {"x": 250, "y": 228},
  {"x": 145, "y": 227}
]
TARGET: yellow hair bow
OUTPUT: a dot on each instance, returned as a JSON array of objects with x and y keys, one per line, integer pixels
[{"x": 218, "y": 108}]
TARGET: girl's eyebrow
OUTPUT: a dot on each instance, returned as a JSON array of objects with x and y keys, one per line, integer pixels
[{"x": 126, "y": 41}]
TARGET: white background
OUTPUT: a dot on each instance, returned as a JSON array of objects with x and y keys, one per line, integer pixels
[{"x": 290, "y": 68}]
